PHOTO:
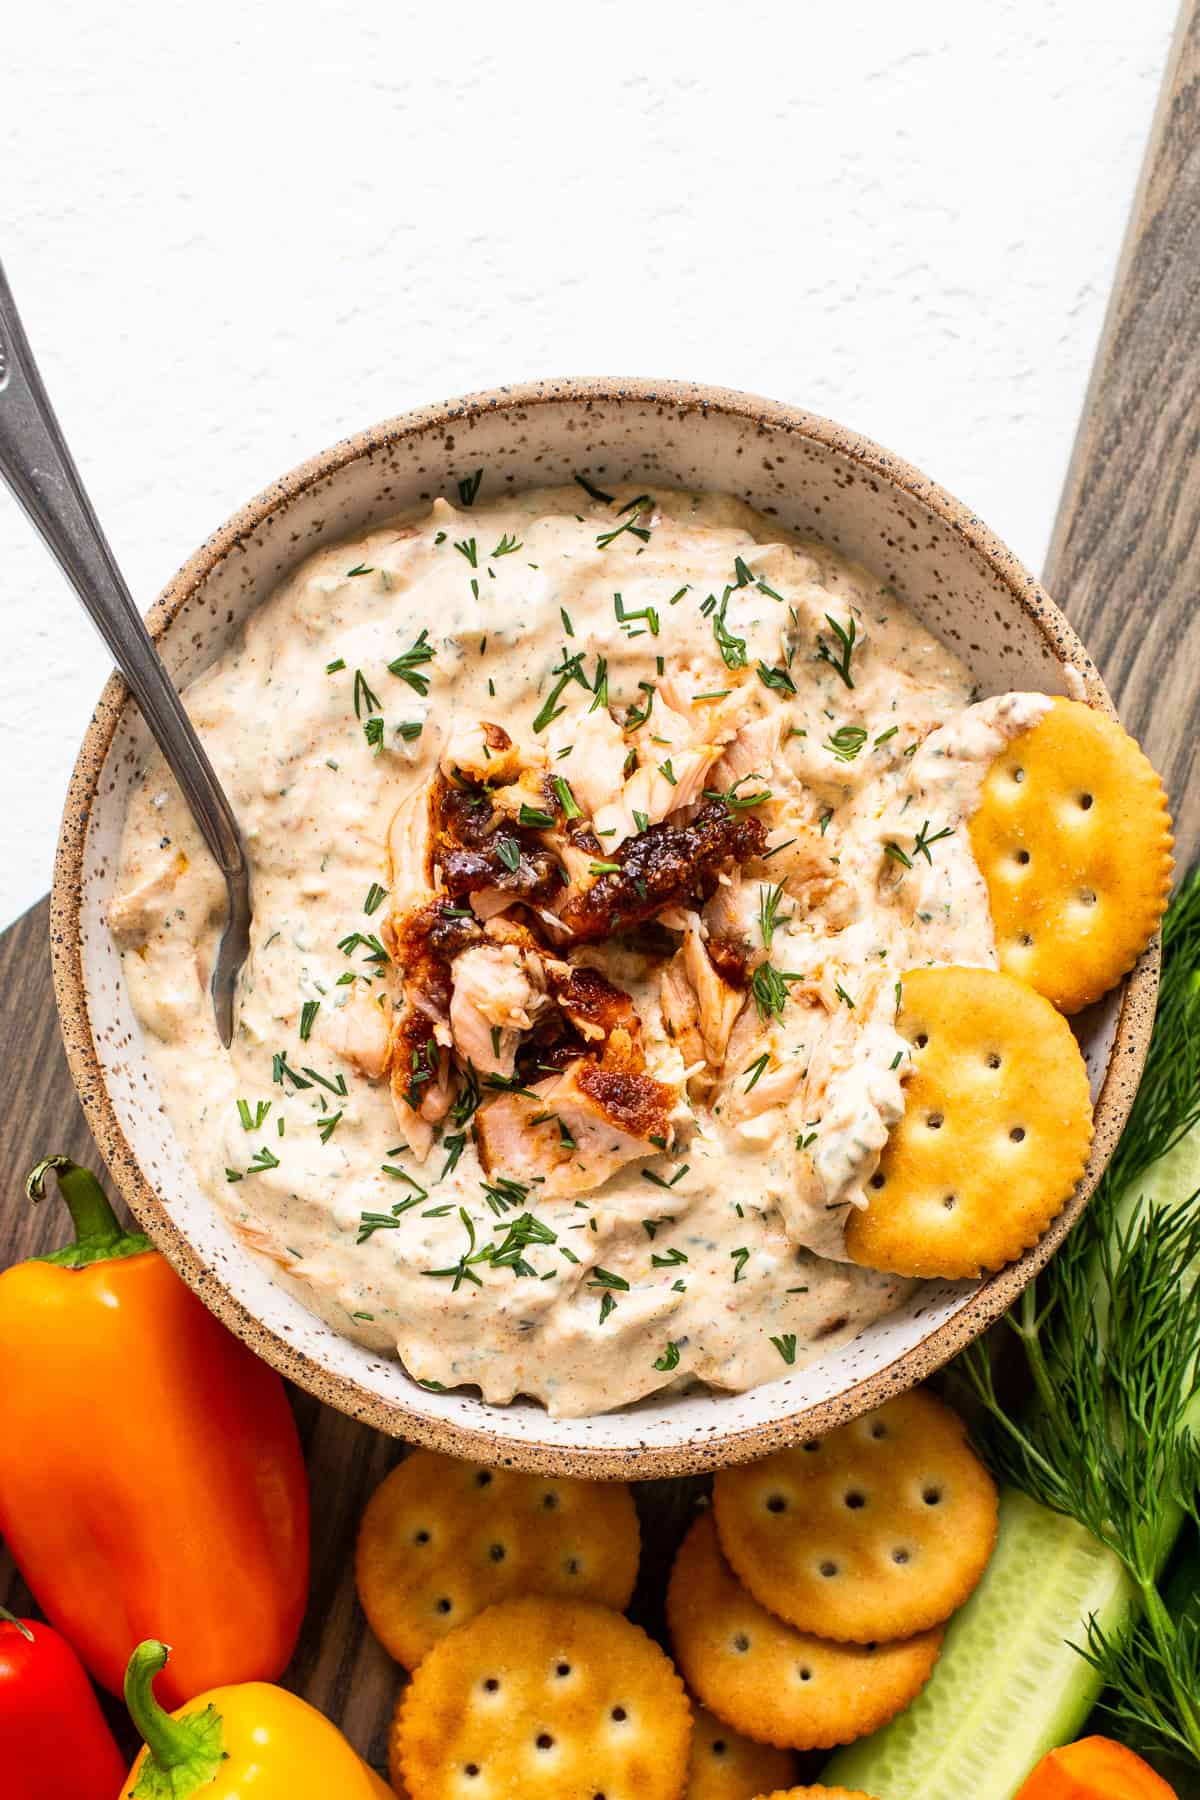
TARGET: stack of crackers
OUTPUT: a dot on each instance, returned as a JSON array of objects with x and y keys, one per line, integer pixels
[{"x": 806, "y": 1607}]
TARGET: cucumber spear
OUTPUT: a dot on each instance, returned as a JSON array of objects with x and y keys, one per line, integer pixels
[{"x": 1098, "y": 1470}]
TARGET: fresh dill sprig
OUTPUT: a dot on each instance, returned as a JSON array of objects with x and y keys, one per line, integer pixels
[
  {"x": 732, "y": 648},
  {"x": 845, "y": 635},
  {"x": 769, "y": 987},
  {"x": 636, "y": 509},
  {"x": 769, "y": 901},
  {"x": 846, "y": 742},
  {"x": 409, "y": 661},
  {"x": 1110, "y": 1335}
]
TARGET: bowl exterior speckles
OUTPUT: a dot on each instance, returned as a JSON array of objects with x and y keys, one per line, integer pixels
[{"x": 810, "y": 474}]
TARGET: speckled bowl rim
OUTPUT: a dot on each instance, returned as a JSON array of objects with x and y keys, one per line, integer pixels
[{"x": 1130, "y": 1041}]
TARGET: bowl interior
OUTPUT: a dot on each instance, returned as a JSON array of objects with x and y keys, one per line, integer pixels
[{"x": 814, "y": 478}]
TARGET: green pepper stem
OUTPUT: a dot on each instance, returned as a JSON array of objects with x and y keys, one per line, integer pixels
[
  {"x": 98, "y": 1234},
  {"x": 168, "y": 1740},
  {"x": 8, "y": 1618}
]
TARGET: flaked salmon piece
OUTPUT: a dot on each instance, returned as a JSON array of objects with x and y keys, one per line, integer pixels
[
  {"x": 599, "y": 1119},
  {"x": 133, "y": 912},
  {"x": 262, "y": 1243},
  {"x": 361, "y": 1032},
  {"x": 423, "y": 943},
  {"x": 529, "y": 795},
  {"x": 596, "y": 1008},
  {"x": 775, "y": 1086},
  {"x": 481, "y": 752},
  {"x": 498, "y": 994},
  {"x": 681, "y": 1017},
  {"x": 809, "y": 874},
  {"x": 748, "y": 757},
  {"x": 434, "y": 1103},
  {"x": 676, "y": 750},
  {"x": 595, "y": 767},
  {"x": 718, "y": 1003},
  {"x": 410, "y": 846},
  {"x": 731, "y": 921},
  {"x": 578, "y": 859},
  {"x": 491, "y": 902},
  {"x": 475, "y": 848},
  {"x": 744, "y": 1073},
  {"x": 659, "y": 867}
]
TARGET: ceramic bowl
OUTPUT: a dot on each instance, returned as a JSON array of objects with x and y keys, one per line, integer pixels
[{"x": 810, "y": 474}]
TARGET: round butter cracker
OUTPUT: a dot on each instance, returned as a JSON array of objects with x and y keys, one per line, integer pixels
[
  {"x": 1073, "y": 838},
  {"x": 995, "y": 1134},
  {"x": 770, "y": 1681},
  {"x": 878, "y": 1530},
  {"x": 815, "y": 1793},
  {"x": 441, "y": 1539},
  {"x": 724, "y": 1765},
  {"x": 548, "y": 1699}
]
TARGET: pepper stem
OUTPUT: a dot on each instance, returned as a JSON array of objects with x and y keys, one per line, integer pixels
[
  {"x": 98, "y": 1235},
  {"x": 182, "y": 1755},
  {"x": 168, "y": 1742},
  {"x": 8, "y": 1618}
]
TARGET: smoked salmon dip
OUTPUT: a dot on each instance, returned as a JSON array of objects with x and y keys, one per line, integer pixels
[{"x": 591, "y": 835}]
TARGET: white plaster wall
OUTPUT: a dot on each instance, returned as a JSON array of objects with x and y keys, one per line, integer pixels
[{"x": 239, "y": 231}]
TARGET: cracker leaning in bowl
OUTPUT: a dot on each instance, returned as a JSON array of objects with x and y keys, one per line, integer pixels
[{"x": 595, "y": 835}]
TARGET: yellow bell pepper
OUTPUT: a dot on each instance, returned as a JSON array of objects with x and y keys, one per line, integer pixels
[{"x": 250, "y": 1738}]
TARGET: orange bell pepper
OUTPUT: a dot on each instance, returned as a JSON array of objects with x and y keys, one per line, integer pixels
[
  {"x": 151, "y": 1477},
  {"x": 1095, "y": 1768}
]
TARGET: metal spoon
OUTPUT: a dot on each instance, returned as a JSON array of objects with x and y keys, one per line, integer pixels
[{"x": 37, "y": 466}]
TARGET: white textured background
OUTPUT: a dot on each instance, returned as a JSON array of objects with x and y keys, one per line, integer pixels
[{"x": 238, "y": 231}]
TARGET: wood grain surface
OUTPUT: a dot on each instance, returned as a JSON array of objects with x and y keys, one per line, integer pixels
[{"x": 1128, "y": 529}]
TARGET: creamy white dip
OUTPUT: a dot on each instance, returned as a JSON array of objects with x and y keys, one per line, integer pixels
[{"x": 769, "y": 667}]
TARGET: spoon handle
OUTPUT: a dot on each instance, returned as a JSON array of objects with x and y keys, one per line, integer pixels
[{"x": 38, "y": 467}]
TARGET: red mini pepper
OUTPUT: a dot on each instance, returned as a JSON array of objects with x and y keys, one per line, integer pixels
[
  {"x": 151, "y": 1476},
  {"x": 54, "y": 1743}
]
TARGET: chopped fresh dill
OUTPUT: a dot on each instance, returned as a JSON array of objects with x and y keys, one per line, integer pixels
[
  {"x": 846, "y": 742},
  {"x": 406, "y": 665},
  {"x": 845, "y": 636},
  {"x": 595, "y": 492},
  {"x": 364, "y": 697},
  {"x": 776, "y": 678},
  {"x": 769, "y": 901},
  {"x": 566, "y": 799},
  {"x": 923, "y": 840},
  {"x": 755, "y": 1069}
]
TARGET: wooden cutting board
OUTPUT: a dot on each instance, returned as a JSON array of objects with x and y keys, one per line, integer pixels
[{"x": 1125, "y": 565}]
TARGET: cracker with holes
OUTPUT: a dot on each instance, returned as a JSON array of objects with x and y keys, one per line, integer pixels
[
  {"x": 540, "y": 1697},
  {"x": 995, "y": 1133},
  {"x": 724, "y": 1765},
  {"x": 1073, "y": 838},
  {"x": 770, "y": 1681},
  {"x": 816, "y": 1793},
  {"x": 876, "y": 1531},
  {"x": 442, "y": 1539}
]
